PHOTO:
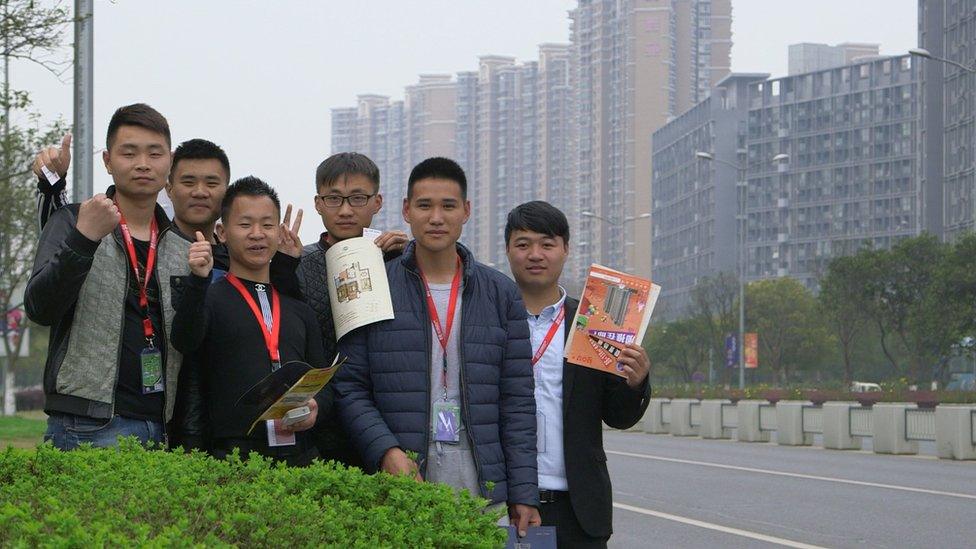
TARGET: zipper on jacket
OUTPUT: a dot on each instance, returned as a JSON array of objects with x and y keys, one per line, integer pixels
[
  {"x": 125, "y": 295},
  {"x": 465, "y": 410}
]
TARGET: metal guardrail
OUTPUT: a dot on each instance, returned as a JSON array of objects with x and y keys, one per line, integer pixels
[
  {"x": 730, "y": 416},
  {"x": 696, "y": 413},
  {"x": 812, "y": 419},
  {"x": 767, "y": 417},
  {"x": 666, "y": 413},
  {"x": 861, "y": 424},
  {"x": 919, "y": 424}
]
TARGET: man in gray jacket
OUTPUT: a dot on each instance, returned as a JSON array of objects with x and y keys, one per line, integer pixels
[{"x": 101, "y": 280}]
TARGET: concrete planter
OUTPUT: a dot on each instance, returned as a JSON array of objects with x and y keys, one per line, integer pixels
[
  {"x": 711, "y": 425},
  {"x": 888, "y": 427},
  {"x": 681, "y": 417},
  {"x": 789, "y": 423},
  {"x": 653, "y": 423},
  {"x": 954, "y": 431},
  {"x": 748, "y": 430},
  {"x": 837, "y": 426}
]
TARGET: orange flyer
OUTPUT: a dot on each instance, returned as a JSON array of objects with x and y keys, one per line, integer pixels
[{"x": 614, "y": 310}]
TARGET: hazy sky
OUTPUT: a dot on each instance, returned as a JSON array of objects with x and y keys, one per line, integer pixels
[{"x": 259, "y": 78}]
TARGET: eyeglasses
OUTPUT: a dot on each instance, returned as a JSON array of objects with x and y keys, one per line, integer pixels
[{"x": 335, "y": 200}]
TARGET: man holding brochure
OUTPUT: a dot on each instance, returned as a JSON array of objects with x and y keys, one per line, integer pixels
[
  {"x": 571, "y": 401},
  {"x": 449, "y": 377},
  {"x": 247, "y": 329}
]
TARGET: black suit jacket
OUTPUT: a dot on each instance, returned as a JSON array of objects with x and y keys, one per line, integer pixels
[{"x": 591, "y": 397}]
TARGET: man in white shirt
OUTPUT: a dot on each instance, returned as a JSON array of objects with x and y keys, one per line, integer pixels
[{"x": 572, "y": 402}]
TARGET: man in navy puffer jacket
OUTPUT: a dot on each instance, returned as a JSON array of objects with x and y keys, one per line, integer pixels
[{"x": 450, "y": 377}]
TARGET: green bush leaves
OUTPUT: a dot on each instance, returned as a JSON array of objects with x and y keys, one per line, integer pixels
[{"x": 133, "y": 496}]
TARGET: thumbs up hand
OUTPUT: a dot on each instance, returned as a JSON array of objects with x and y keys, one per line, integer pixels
[
  {"x": 201, "y": 257},
  {"x": 55, "y": 159}
]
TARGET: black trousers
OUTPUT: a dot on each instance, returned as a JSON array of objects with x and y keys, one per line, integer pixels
[{"x": 569, "y": 533}]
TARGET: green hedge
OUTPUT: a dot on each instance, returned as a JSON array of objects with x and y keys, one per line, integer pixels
[{"x": 132, "y": 496}]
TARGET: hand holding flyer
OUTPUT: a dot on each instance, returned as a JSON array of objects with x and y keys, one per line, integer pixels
[{"x": 614, "y": 311}]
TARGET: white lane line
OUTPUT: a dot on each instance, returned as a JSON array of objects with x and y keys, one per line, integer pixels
[
  {"x": 798, "y": 475},
  {"x": 716, "y": 527}
]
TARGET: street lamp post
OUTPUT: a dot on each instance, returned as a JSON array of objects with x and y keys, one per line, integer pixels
[
  {"x": 740, "y": 258},
  {"x": 611, "y": 222}
]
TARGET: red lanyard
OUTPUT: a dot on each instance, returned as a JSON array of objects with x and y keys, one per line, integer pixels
[
  {"x": 147, "y": 327},
  {"x": 270, "y": 336},
  {"x": 556, "y": 322},
  {"x": 443, "y": 334}
]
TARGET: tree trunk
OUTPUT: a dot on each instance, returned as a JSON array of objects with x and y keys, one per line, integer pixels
[
  {"x": 848, "y": 368},
  {"x": 9, "y": 403}
]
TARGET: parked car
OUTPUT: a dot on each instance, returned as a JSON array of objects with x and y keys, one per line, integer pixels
[{"x": 864, "y": 387}]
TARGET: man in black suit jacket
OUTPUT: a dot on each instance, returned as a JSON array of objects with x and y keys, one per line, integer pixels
[{"x": 572, "y": 402}]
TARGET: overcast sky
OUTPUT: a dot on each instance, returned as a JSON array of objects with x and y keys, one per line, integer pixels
[{"x": 259, "y": 78}]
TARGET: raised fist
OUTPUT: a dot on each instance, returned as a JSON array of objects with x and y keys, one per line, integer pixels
[
  {"x": 97, "y": 217},
  {"x": 201, "y": 257},
  {"x": 54, "y": 159}
]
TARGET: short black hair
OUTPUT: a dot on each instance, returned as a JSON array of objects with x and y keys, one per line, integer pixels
[
  {"x": 200, "y": 149},
  {"x": 343, "y": 164},
  {"x": 141, "y": 115},
  {"x": 539, "y": 217},
  {"x": 440, "y": 168},
  {"x": 247, "y": 186}
]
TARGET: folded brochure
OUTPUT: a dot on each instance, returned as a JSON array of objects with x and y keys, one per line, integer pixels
[
  {"x": 614, "y": 310},
  {"x": 288, "y": 387}
]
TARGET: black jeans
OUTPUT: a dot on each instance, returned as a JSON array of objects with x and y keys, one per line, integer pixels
[{"x": 569, "y": 533}]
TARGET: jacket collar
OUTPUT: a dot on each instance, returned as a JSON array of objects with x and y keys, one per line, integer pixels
[
  {"x": 409, "y": 259},
  {"x": 569, "y": 370},
  {"x": 162, "y": 220}
]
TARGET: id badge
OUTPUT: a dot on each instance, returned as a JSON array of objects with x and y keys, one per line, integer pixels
[
  {"x": 151, "y": 361},
  {"x": 447, "y": 424}
]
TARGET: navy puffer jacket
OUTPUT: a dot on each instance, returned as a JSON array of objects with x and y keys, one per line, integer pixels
[{"x": 384, "y": 386}]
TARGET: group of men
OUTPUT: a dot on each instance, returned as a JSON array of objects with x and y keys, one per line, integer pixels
[{"x": 159, "y": 327}]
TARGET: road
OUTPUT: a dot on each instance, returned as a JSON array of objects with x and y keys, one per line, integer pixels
[{"x": 688, "y": 492}]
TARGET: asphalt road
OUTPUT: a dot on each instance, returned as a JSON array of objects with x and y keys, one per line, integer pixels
[{"x": 688, "y": 492}]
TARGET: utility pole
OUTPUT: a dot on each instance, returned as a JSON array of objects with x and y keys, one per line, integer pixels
[{"x": 82, "y": 161}]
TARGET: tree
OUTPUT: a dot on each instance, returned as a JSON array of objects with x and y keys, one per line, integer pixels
[
  {"x": 33, "y": 34},
  {"x": 904, "y": 304},
  {"x": 680, "y": 346},
  {"x": 844, "y": 302},
  {"x": 714, "y": 302},
  {"x": 792, "y": 335}
]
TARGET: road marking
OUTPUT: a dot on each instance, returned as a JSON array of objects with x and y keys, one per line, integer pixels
[
  {"x": 798, "y": 475},
  {"x": 717, "y": 527}
]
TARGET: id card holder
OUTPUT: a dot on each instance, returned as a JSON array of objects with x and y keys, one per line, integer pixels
[
  {"x": 151, "y": 364},
  {"x": 447, "y": 422},
  {"x": 278, "y": 437}
]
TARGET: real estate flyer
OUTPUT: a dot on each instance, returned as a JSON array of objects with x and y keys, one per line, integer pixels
[
  {"x": 358, "y": 289},
  {"x": 285, "y": 392},
  {"x": 614, "y": 310}
]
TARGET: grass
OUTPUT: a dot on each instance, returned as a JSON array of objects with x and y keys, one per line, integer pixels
[{"x": 24, "y": 430}]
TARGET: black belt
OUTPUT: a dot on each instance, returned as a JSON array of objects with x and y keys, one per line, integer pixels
[{"x": 550, "y": 496}]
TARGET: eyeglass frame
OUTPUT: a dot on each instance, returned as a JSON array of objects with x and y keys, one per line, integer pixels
[{"x": 344, "y": 199}]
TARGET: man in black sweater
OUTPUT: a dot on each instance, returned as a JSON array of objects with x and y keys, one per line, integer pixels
[{"x": 245, "y": 328}]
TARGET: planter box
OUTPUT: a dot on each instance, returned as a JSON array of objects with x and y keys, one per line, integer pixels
[
  {"x": 789, "y": 423},
  {"x": 681, "y": 417},
  {"x": 711, "y": 427},
  {"x": 955, "y": 428},
  {"x": 653, "y": 417},
  {"x": 748, "y": 429},
  {"x": 888, "y": 428},
  {"x": 837, "y": 426}
]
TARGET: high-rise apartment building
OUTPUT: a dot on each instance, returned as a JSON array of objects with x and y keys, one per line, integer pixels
[{"x": 809, "y": 57}]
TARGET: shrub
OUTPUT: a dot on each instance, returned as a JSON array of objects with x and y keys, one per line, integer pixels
[{"x": 131, "y": 496}]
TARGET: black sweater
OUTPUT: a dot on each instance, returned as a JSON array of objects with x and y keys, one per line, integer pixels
[{"x": 214, "y": 321}]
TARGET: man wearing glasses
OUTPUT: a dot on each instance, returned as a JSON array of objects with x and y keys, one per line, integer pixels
[{"x": 347, "y": 197}]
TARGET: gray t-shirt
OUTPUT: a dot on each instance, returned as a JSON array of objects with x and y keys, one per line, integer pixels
[{"x": 451, "y": 464}]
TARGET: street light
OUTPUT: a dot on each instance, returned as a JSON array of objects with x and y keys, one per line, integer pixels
[
  {"x": 613, "y": 223},
  {"x": 926, "y": 54},
  {"x": 741, "y": 249}
]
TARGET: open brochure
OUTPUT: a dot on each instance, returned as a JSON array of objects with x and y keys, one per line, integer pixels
[
  {"x": 358, "y": 290},
  {"x": 614, "y": 310},
  {"x": 287, "y": 388}
]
